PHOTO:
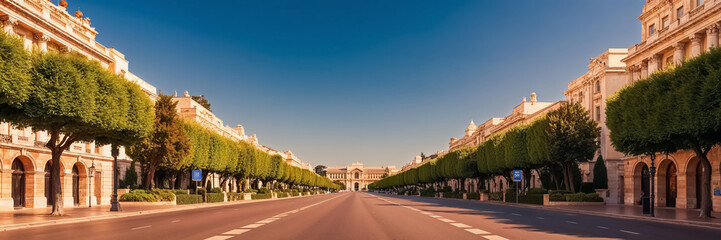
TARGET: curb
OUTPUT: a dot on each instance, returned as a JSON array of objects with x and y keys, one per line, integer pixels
[
  {"x": 711, "y": 225},
  {"x": 17, "y": 226}
]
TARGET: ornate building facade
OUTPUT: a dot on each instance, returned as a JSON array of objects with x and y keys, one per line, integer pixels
[
  {"x": 606, "y": 75},
  {"x": 24, "y": 160},
  {"x": 356, "y": 177},
  {"x": 672, "y": 31}
]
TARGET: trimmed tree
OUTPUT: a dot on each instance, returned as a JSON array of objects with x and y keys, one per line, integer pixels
[
  {"x": 75, "y": 99},
  {"x": 600, "y": 177},
  {"x": 678, "y": 109}
]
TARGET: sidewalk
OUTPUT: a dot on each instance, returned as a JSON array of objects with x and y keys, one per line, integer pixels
[{"x": 666, "y": 214}]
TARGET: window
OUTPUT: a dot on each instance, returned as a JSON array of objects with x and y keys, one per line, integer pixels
[
  {"x": 598, "y": 86},
  {"x": 652, "y": 29},
  {"x": 679, "y": 13},
  {"x": 357, "y": 175},
  {"x": 598, "y": 113},
  {"x": 580, "y": 97},
  {"x": 699, "y": 3},
  {"x": 665, "y": 22}
]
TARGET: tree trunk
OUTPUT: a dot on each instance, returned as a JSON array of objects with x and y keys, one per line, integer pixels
[
  {"x": 565, "y": 177},
  {"x": 706, "y": 203},
  {"x": 172, "y": 176},
  {"x": 149, "y": 177},
  {"x": 56, "y": 190}
]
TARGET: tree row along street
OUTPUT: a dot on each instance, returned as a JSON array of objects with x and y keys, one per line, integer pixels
[{"x": 365, "y": 216}]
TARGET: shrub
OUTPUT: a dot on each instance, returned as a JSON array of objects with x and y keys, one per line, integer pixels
[
  {"x": 201, "y": 191},
  {"x": 294, "y": 193},
  {"x": 163, "y": 194},
  {"x": 282, "y": 195},
  {"x": 305, "y": 193},
  {"x": 216, "y": 190},
  {"x": 474, "y": 195},
  {"x": 531, "y": 199},
  {"x": 263, "y": 190},
  {"x": 235, "y": 196},
  {"x": 559, "y": 191},
  {"x": 138, "y": 196},
  {"x": 452, "y": 195},
  {"x": 587, "y": 187},
  {"x": 537, "y": 191},
  {"x": 495, "y": 196},
  {"x": 180, "y": 192},
  {"x": 556, "y": 197},
  {"x": 261, "y": 196},
  {"x": 214, "y": 197},
  {"x": 250, "y": 190},
  {"x": 583, "y": 197},
  {"x": 428, "y": 192},
  {"x": 188, "y": 199}
]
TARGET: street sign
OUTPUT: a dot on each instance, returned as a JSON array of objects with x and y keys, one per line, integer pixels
[
  {"x": 516, "y": 175},
  {"x": 196, "y": 175},
  {"x": 717, "y": 192}
]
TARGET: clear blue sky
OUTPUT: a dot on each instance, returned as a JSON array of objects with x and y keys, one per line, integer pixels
[{"x": 372, "y": 81}]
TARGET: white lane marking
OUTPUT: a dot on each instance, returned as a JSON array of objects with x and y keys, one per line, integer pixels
[
  {"x": 634, "y": 233},
  {"x": 267, "y": 220},
  {"x": 254, "y": 225},
  {"x": 476, "y": 231},
  {"x": 435, "y": 216},
  {"x": 494, "y": 237},
  {"x": 236, "y": 231},
  {"x": 568, "y": 214},
  {"x": 601, "y": 227},
  {"x": 218, "y": 237},
  {"x": 516, "y": 214},
  {"x": 136, "y": 228},
  {"x": 446, "y": 220},
  {"x": 426, "y": 213},
  {"x": 571, "y": 222},
  {"x": 460, "y": 225},
  {"x": 174, "y": 221},
  {"x": 540, "y": 217}
]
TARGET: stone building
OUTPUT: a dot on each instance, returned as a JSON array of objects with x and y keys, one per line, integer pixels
[
  {"x": 606, "y": 75},
  {"x": 356, "y": 177},
  {"x": 523, "y": 113},
  {"x": 24, "y": 160},
  {"x": 672, "y": 31}
]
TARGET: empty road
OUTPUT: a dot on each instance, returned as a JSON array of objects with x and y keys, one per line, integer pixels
[{"x": 364, "y": 216}]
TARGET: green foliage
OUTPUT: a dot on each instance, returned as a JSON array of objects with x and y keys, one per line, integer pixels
[
  {"x": 282, "y": 195},
  {"x": 162, "y": 194},
  {"x": 138, "y": 196},
  {"x": 495, "y": 196},
  {"x": 600, "y": 177},
  {"x": 214, "y": 197},
  {"x": 587, "y": 187},
  {"x": 216, "y": 190},
  {"x": 235, "y": 196},
  {"x": 537, "y": 191},
  {"x": 556, "y": 197},
  {"x": 202, "y": 101},
  {"x": 473, "y": 195},
  {"x": 15, "y": 83},
  {"x": 180, "y": 192},
  {"x": 131, "y": 178},
  {"x": 263, "y": 190},
  {"x": 188, "y": 199},
  {"x": 583, "y": 197},
  {"x": 261, "y": 196},
  {"x": 250, "y": 190}
]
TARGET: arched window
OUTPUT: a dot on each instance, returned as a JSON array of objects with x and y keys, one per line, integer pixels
[{"x": 357, "y": 175}]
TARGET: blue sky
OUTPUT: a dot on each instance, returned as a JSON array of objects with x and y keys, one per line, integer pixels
[{"x": 372, "y": 81}]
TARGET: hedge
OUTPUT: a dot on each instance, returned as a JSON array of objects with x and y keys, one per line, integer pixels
[
  {"x": 583, "y": 197},
  {"x": 587, "y": 187},
  {"x": 235, "y": 196},
  {"x": 214, "y": 197},
  {"x": 188, "y": 199},
  {"x": 282, "y": 195},
  {"x": 180, "y": 192},
  {"x": 295, "y": 193},
  {"x": 537, "y": 191},
  {"x": 428, "y": 192},
  {"x": 261, "y": 196},
  {"x": 216, "y": 190},
  {"x": 474, "y": 195},
  {"x": 495, "y": 196},
  {"x": 457, "y": 195},
  {"x": 162, "y": 194},
  {"x": 138, "y": 196},
  {"x": 531, "y": 199}
]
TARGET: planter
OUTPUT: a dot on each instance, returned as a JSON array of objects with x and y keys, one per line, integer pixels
[
  {"x": 274, "y": 195},
  {"x": 440, "y": 195},
  {"x": 484, "y": 197},
  {"x": 465, "y": 196},
  {"x": 247, "y": 196}
]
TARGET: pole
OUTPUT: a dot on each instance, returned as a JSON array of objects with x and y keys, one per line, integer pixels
[
  {"x": 653, "y": 175},
  {"x": 90, "y": 196},
  {"x": 114, "y": 204}
]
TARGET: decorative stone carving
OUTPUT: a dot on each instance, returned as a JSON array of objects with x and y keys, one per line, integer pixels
[
  {"x": 79, "y": 14},
  {"x": 63, "y": 3},
  {"x": 41, "y": 37}
]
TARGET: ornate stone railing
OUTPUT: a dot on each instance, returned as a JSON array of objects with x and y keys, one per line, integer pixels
[
  {"x": 697, "y": 10},
  {"x": 23, "y": 139},
  {"x": 5, "y": 138}
]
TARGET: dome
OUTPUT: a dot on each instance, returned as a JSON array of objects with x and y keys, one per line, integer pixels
[
  {"x": 79, "y": 14},
  {"x": 63, "y": 3}
]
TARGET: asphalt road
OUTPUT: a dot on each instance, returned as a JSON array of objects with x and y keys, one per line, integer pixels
[{"x": 364, "y": 216}]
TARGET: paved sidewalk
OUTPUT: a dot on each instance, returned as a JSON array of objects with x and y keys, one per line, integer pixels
[
  {"x": 673, "y": 214},
  {"x": 32, "y": 215}
]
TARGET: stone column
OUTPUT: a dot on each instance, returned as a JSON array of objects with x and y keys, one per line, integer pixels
[
  {"x": 678, "y": 52},
  {"x": 712, "y": 36},
  {"x": 696, "y": 44},
  {"x": 654, "y": 63},
  {"x": 42, "y": 40},
  {"x": 9, "y": 23},
  {"x": 644, "y": 69}
]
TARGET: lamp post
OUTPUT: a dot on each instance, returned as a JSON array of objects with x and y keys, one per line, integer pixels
[
  {"x": 114, "y": 204},
  {"x": 91, "y": 173},
  {"x": 653, "y": 175}
]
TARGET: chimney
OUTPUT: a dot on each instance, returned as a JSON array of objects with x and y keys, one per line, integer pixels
[{"x": 533, "y": 97}]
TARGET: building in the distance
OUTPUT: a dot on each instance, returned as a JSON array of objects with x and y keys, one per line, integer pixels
[
  {"x": 356, "y": 177},
  {"x": 606, "y": 75},
  {"x": 24, "y": 159}
]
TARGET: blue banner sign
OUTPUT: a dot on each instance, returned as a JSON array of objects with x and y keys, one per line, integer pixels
[
  {"x": 516, "y": 175},
  {"x": 196, "y": 175}
]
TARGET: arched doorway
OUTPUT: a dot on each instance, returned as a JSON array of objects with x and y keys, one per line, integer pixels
[
  {"x": 698, "y": 182},
  {"x": 356, "y": 186},
  {"x": 671, "y": 187},
  {"x": 76, "y": 185},
  {"x": 48, "y": 184},
  {"x": 18, "y": 183},
  {"x": 645, "y": 182}
]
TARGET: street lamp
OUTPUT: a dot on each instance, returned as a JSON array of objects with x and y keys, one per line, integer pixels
[
  {"x": 114, "y": 204},
  {"x": 653, "y": 175},
  {"x": 91, "y": 173}
]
